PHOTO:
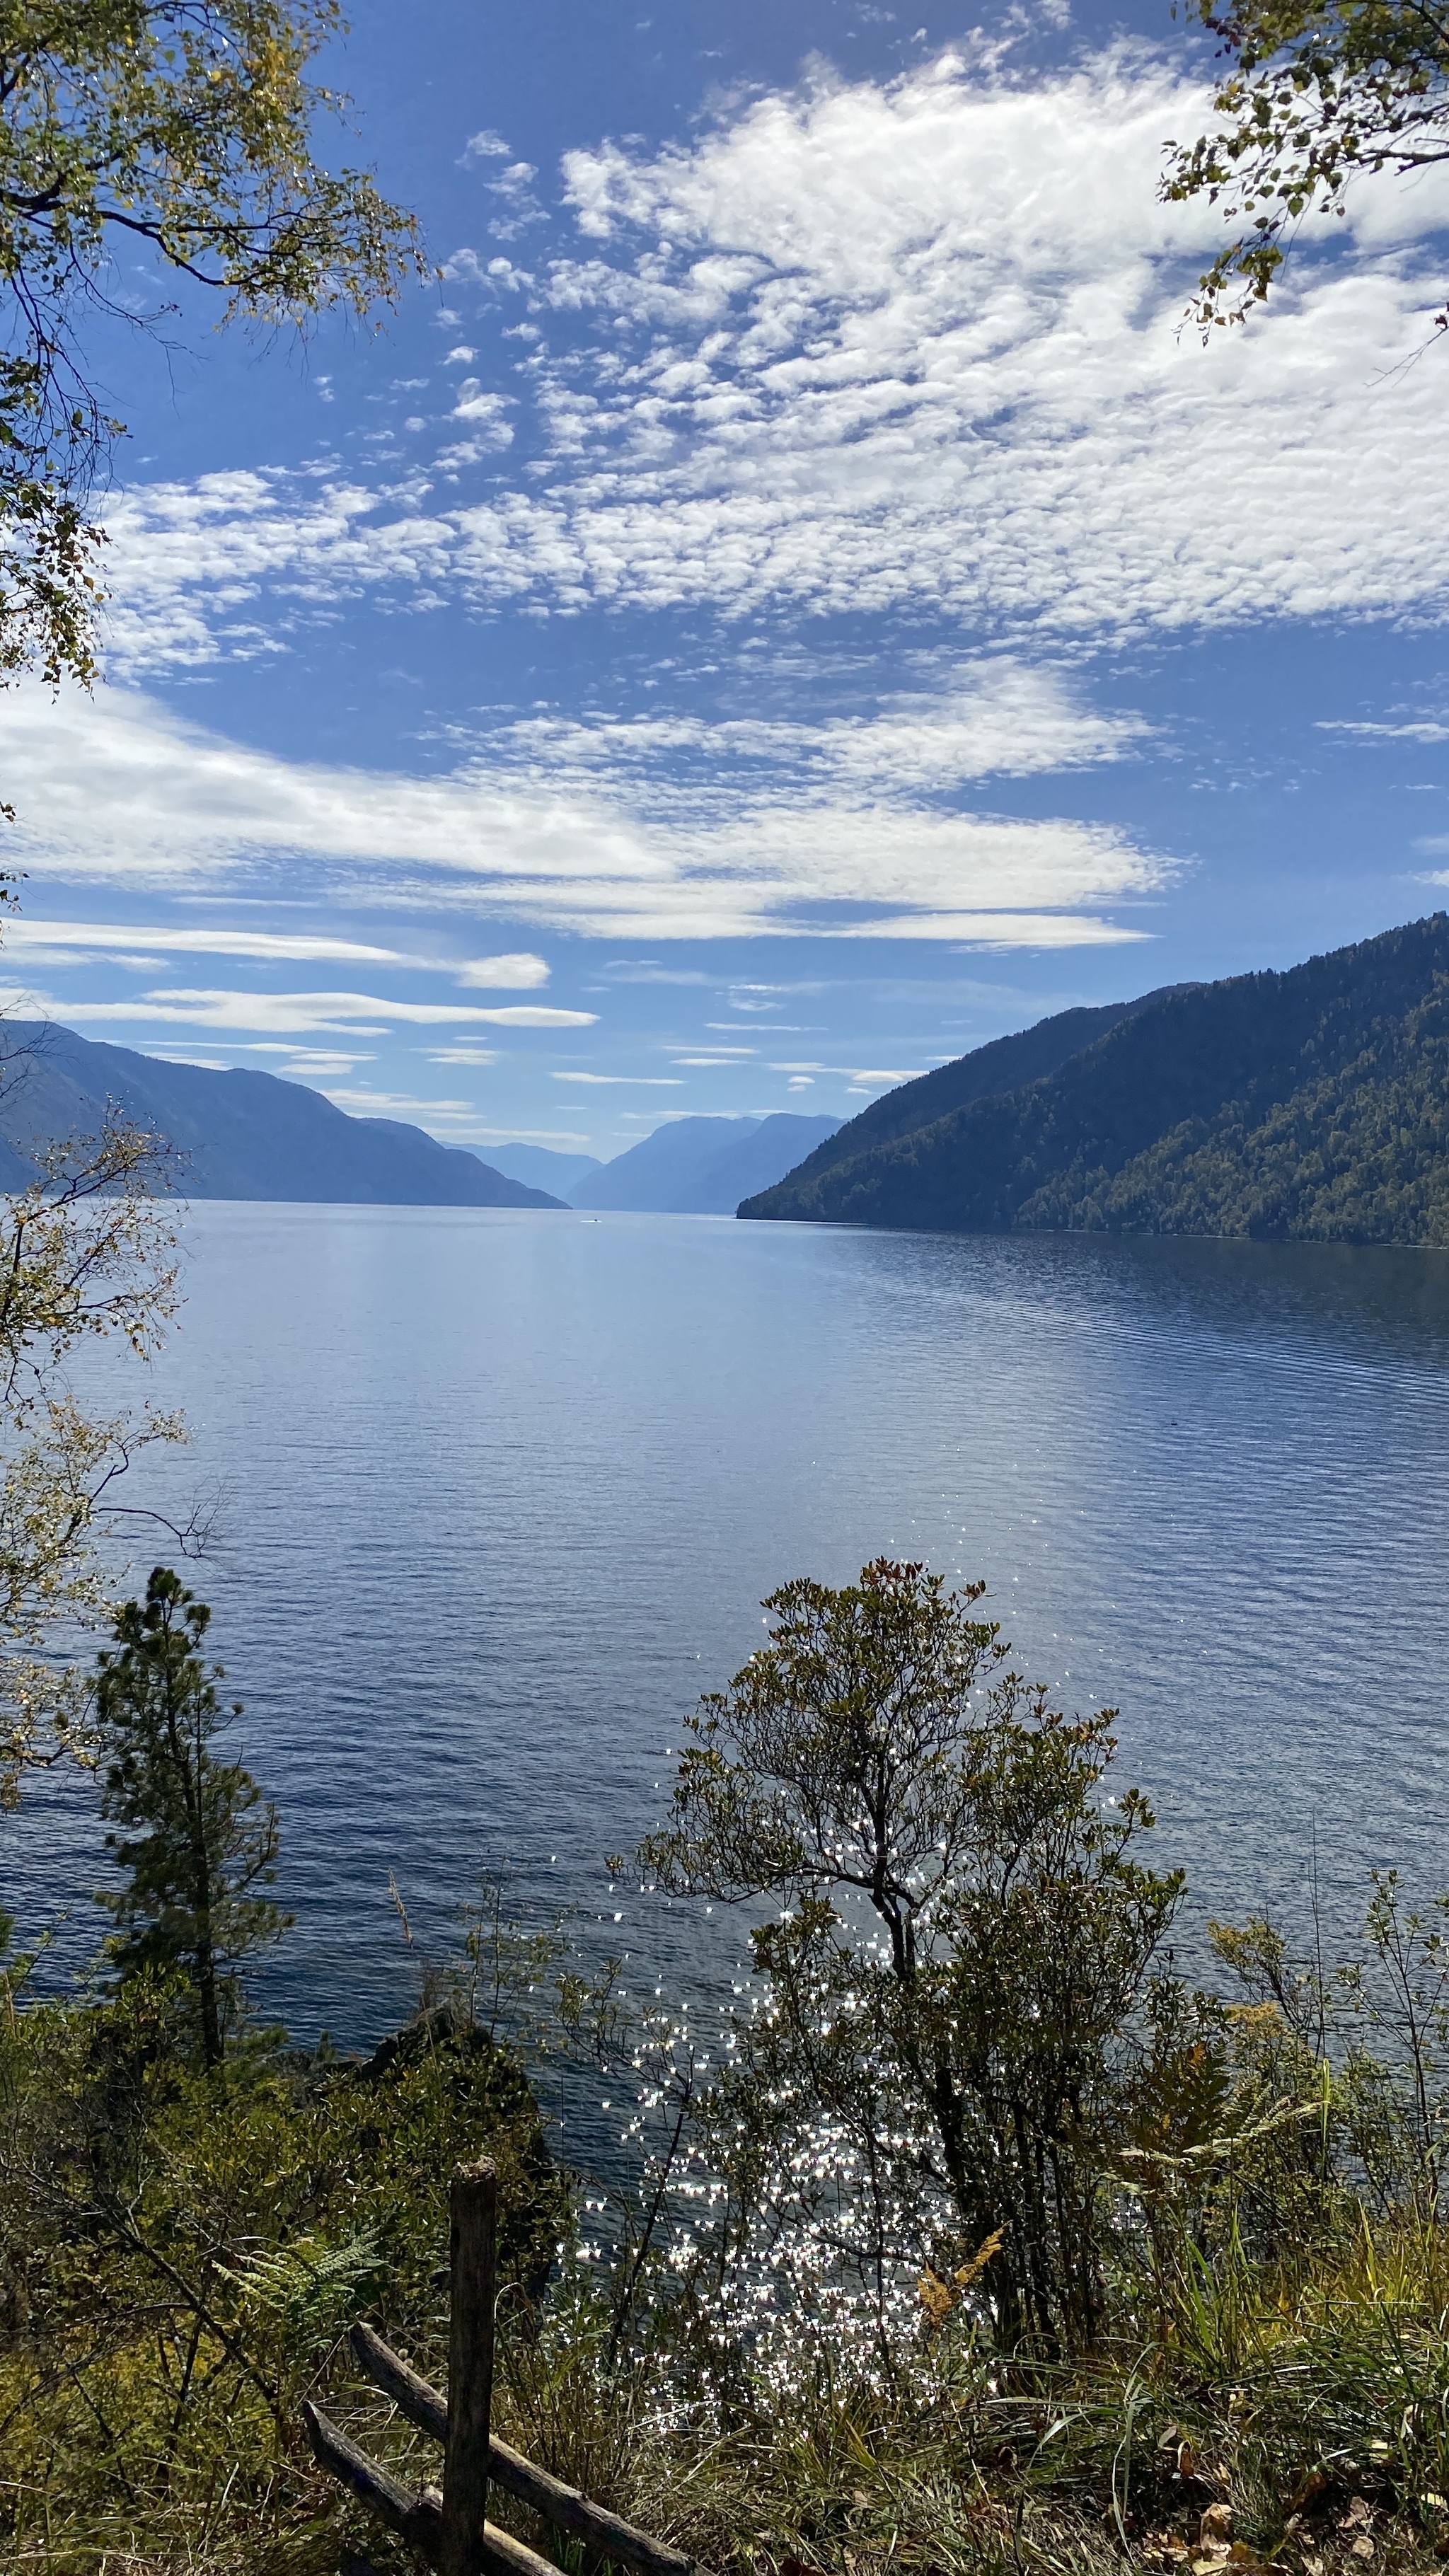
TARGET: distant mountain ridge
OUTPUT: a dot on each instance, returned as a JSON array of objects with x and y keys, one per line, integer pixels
[
  {"x": 543, "y": 1167},
  {"x": 241, "y": 1135},
  {"x": 1310, "y": 1105},
  {"x": 702, "y": 1166}
]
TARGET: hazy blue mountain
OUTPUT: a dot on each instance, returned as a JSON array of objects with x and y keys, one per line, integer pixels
[
  {"x": 542, "y": 1167},
  {"x": 756, "y": 1161},
  {"x": 239, "y": 1135},
  {"x": 701, "y": 1166},
  {"x": 652, "y": 1173},
  {"x": 1311, "y": 1105}
]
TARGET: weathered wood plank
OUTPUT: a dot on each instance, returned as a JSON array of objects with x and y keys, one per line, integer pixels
[
  {"x": 412, "y": 2395},
  {"x": 472, "y": 2265},
  {"x": 571, "y": 2511},
  {"x": 415, "y": 2518},
  {"x": 564, "y": 2506},
  {"x": 505, "y": 2556}
]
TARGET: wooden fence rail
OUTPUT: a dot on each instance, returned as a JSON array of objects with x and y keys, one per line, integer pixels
[{"x": 449, "y": 2529}]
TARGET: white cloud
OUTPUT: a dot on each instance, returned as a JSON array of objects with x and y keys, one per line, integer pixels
[
  {"x": 1423, "y": 730},
  {"x": 339, "y": 1014},
  {"x": 881, "y": 347},
  {"x": 531, "y": 1015},
  {"x": 311, "y": 1065},
  {"x": 520, "y": 970},
  {"x": 22, "y": 934},
  {"x": 520, "y": 207},
  {"x": 300, "y": 1054},
  {"x": 1000, "y": 718},
  {"x": 363, "y": 1103},
  {"x": 633, "y": 1081},
  {"x": 484, "y": 412},
  {"x": 987, "y": 930},
  {"x": 122, "y": 790}
]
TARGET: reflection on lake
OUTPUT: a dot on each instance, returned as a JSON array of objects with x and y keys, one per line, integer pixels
[{"x": 503, "y": 1491}]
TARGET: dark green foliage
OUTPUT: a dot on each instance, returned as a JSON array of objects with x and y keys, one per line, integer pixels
[
  {"x": 873, "y": 1767},
  {"x": 979, "y": 2244},
  {"x": 182, "y": 128},
  {"x": 1310, "y": 95},
  {"x": 199, "y": 1841},
  {"x": 1005, "y": 1064},
  {"x": 181, "y": 2255},
  {"x": 1312, "y": 1105}
]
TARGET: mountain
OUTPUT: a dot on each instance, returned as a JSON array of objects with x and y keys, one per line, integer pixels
[
  {"x": 1310, "y": 1105},
  {"x": 240, "y": 1135},
  {"x": 756, "y": 1161},
  {"x": 541, "y": 1167},
  {"x": 1002, "y": 1065},
  {"x": 701, "y": 1166}
]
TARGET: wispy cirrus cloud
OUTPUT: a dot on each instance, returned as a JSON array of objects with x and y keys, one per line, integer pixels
[
  {"x": 29, "y": 937},
  {"x": 298, "y": 1014},
  {"x": 548, "y": 831},
  {"x": 1417, "y": 729}
]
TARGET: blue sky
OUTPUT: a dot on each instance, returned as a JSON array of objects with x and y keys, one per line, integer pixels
[{"x": 789, "y": 603}]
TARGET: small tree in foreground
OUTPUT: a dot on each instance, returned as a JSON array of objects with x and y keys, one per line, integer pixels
[
  {"x": 953, "y": 2029},
  {"x": 198, "y": 1839},
  {"x": 85, "y": 1255}
]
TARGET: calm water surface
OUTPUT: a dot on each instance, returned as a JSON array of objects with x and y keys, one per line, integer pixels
[{"x": 502, "y": 1493}]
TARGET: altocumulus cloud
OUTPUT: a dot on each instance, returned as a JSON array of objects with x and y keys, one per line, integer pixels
[
  {"x": 910, "y": 349},
  {"x": 909, "y": 346}
]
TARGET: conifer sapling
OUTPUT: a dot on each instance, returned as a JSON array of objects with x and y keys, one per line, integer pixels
[{"x": 198, "y": 1839}]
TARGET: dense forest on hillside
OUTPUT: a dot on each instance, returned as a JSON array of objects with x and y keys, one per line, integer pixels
[
  {"x": 1003, "y": 1064},
  {"x": 1310, "y": 1105}
]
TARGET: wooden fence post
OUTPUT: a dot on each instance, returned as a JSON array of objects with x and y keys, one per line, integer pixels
[{"x": 472, "y": 2266}]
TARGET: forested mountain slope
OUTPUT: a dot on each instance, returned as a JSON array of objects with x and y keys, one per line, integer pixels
[
  {"x": 1312, "y": 1104},
  {"x": 1003, "y": 1064}
]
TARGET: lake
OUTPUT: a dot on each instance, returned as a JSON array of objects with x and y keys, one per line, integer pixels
[{"x": 501, "y": 1492}]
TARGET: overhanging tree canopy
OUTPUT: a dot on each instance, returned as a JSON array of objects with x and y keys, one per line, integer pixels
[
  {"x": 184, "y": 126},
  {"x": 1316, "y": 92}
]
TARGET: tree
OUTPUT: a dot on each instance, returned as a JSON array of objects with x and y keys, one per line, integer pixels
[
  {"x": 1316, "y": 93},
  {"x": 946, "y": 2047},
  {"x": 199, "y": 1840},
  {"x": 85, "y": 1255},
  {"x": 183, "y": 126}
]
